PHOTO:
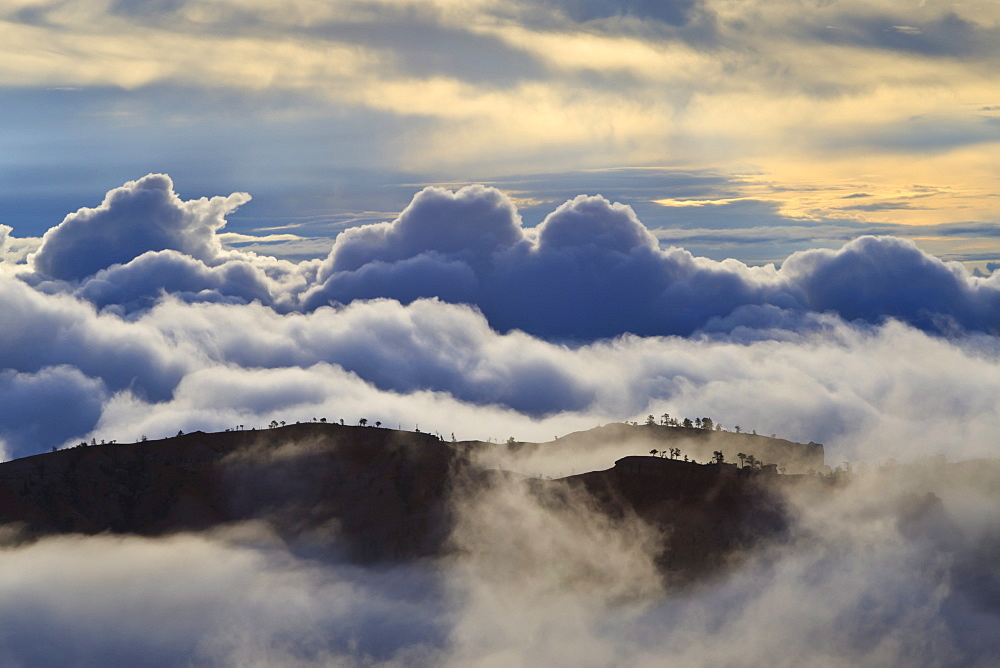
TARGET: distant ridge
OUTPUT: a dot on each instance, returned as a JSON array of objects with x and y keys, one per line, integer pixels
[{"x": 696, "y": 444}]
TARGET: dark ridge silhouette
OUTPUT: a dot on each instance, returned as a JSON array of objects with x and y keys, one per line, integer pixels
[
  {"x": 706, "y": 514},
  {"x": 373, "y": 495}
]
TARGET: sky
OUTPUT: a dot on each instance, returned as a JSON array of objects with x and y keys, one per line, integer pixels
[
  {"x": 507, "y": 219},
  {"x": 734, "y": 129}
]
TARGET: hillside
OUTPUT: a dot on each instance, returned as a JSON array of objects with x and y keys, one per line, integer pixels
[{"x": 369, "y": 494}]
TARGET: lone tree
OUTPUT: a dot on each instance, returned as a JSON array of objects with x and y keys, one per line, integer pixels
[
  {"x": 654, "y": 452},
  {"x": 707, "y": 424},
  {"x": 666, "y": 418},
  {"x": 363, "y": 421},
  {"x": 650, "y": 420},
  {"x": 377, "y": 423},
  {"x": 718, "y": 457}
]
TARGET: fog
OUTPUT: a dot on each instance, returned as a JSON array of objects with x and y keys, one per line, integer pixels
[{"x": 873, "y": 572}]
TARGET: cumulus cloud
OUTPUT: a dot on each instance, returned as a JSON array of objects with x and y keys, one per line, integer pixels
[
  {"x": 140, "y": 216},
  {"x": 591, "y": 269},
  {"x": 14, "y": 251}
]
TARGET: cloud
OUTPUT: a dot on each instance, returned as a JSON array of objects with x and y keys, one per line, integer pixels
[
  {"x": 141, "y": 282},
  {"x": 866, "y": 393},
  {"x": 592, "y": 270},
  {"x": 872, "y": 278},
  {"x": 140, "y": 216},
  {"x": 57, "y": 330},
  {"x": 231, "y": 598},
  {"x": 14, "y": 251},
  {"x": 50, "y": 406}
]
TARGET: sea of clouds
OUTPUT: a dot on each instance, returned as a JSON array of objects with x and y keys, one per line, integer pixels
[{"x": 132, "y": 318}]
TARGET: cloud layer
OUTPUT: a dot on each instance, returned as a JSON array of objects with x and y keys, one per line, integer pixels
[
  {"x": 590, "y": 270},
  {"x": 458, "y": 318}
]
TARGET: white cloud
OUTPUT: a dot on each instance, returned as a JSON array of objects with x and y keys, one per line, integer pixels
[{"x": 140, "y": 216}]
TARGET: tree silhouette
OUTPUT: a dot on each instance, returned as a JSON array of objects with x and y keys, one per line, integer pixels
[
  {"x": 737, "y": 429},
  {"x": 687, "y": 423},
  {"x": 742, "y": 457},
  {"x": 377, "y": 423},
  {"x": 654, "y": 452},
  {"x": 718, "y": 457},
  {"x": 666, "y": 418},
  {"x": 323, "y": 420},
  {"x": 650, "y": 420},
  {"x": 706, "y": 424},
  {"x": 363, "y": 421}
]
